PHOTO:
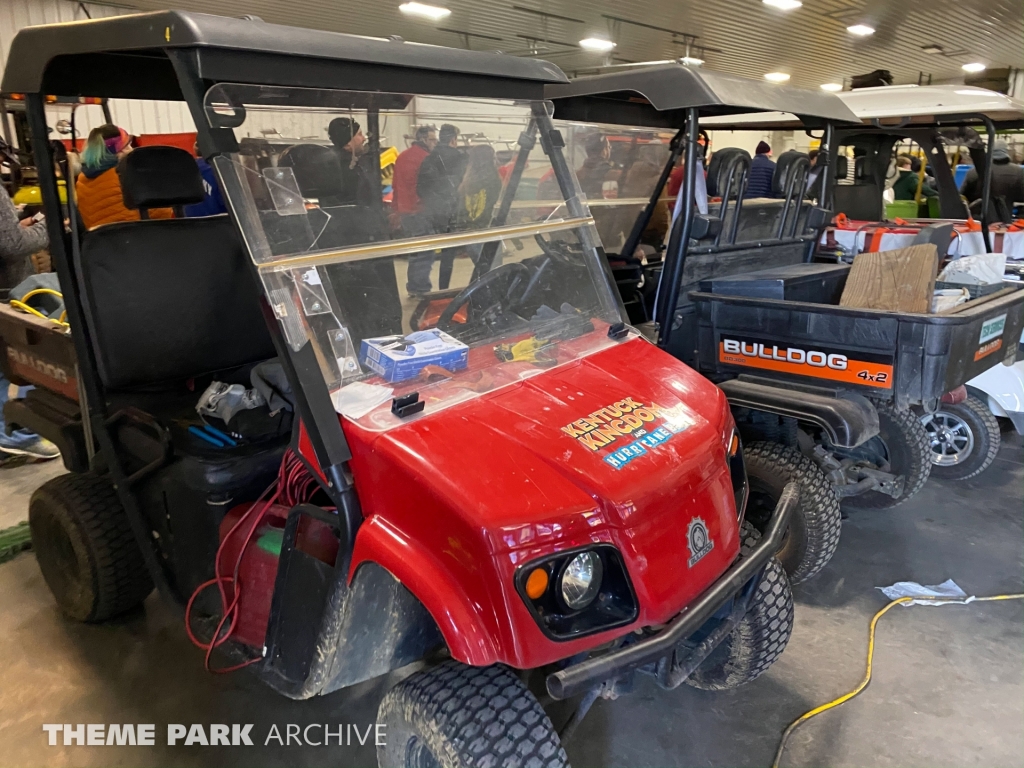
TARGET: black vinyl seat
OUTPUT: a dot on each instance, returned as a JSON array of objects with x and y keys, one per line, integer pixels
[
  {"x": 166, "y": 300},
  {"x": 720, "y": 162},
  {"x": 782, "y": 166}
]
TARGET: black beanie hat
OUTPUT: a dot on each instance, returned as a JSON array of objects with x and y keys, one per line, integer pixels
[
  {"x": 762, "y": 148},
  {"x": 341, "y": 130}
]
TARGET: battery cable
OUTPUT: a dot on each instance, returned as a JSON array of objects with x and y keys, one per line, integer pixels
[{"x": 871, "y": 655}]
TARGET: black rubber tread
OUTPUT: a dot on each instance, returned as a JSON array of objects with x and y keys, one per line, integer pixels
[
  {"x": 813, "y": 535},
  {"x": 987, "y": 438},
  {"x": 908, "y": 444},
  {"x": 468, "y": 717},
  {"x": 79, "y": 516},
  {"x": 760, "y": 637}
]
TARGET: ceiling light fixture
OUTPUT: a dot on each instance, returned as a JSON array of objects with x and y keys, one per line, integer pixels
[
  {"x": 596, "y": 44},
  {"x": 777, "y": 77},
  {"x": 432, "y": 12},
  {"x": 832, "y": 87},
  {"x": 861, "y": 30},
  {"x": 975, "y": 66},
  {"x": 691, "y": 61},
  {"x": 783, "y": 5},
  {"x": 933, "y": 49}
]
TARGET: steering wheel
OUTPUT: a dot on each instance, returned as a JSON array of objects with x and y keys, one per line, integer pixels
[
  {"x": 494, "y": 293},
  {"x": 569, "y": 254}
]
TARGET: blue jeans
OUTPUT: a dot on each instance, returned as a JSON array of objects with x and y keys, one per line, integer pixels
[{"x": 420, "y": 264}]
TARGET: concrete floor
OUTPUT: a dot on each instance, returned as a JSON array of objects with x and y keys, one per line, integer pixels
[
  {"x": 19, "y": 477},
  {"x": 948, "y": 688}
]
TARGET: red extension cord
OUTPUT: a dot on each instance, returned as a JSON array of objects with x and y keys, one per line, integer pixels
[{"x": 293, "y": 485}]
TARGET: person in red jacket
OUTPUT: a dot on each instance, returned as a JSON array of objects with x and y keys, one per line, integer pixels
[{"x": 406, "y": 203}]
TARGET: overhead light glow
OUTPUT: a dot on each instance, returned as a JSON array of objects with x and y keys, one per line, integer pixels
[
  {"x": 777, "y": 77},
  {"x": 975, "y": 66},
  {"x": 691, "y": 61},
  {"x": 861, "y": 30},
  {"x": 783, "y": 5},
  {"x": 432, "y": 12},
  {"x": 596, "y": 44},
  {"x": 832, "y": 87}
]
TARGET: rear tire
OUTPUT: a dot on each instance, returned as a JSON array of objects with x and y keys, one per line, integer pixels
[
  {"x": 760, "y": 637},
  {"x": 456, "y": 716},
  {"x": 964, "y": 439},
  {"x": 903, "y": 443},
  {"x": 813, "y": 533},
  {"x": 85, "y": 548}
]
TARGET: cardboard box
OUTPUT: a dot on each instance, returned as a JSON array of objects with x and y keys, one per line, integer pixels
[{"x": 397, "y": 358}]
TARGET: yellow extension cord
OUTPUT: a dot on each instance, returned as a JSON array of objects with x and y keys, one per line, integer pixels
[
  {"x": 871, "y": 655},
  {"x": 24, "y": 306}
]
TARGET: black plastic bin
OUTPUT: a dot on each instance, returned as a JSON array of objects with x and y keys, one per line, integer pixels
[{"x": 912, "y": 358}]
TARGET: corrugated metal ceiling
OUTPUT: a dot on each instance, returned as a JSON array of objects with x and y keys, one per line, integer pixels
[{"x": 740, "y": 36}]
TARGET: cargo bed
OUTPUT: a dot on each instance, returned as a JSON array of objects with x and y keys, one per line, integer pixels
[
  {"x": 40, "y": 353},
  {"x": 907, "y": 357}
]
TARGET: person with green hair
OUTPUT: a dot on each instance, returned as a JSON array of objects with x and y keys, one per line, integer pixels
[{"x": 98, "y": 188}]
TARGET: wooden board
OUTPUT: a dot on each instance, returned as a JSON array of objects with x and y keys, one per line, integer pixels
[{"x": 902, "y": 280}]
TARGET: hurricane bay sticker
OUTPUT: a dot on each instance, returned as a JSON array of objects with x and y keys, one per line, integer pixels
[{"x": 627, "y": 429}]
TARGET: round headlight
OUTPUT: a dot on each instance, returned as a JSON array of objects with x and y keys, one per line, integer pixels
[{"x": 581, "y": 580}]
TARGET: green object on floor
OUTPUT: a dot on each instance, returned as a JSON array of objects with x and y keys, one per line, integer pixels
[{"x": 14, "y": 540}]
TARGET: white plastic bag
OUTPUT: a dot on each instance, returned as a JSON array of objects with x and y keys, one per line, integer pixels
[
  {"x": 980, "y": 269},
  {"x": 947, "y": 298}
]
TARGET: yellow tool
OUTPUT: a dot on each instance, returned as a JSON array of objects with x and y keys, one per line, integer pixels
[{"x": 526, "y": 351}]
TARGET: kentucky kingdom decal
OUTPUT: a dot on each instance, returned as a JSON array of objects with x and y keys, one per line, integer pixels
[{"x": 628, "y": 428}]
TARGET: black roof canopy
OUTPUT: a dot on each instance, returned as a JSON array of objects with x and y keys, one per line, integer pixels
[
  {"x": 128, "y": 57},
  {"x": 659, "y": 95}
]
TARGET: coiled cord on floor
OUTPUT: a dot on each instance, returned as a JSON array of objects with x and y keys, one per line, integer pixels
[{"x": 871, "y": 657}]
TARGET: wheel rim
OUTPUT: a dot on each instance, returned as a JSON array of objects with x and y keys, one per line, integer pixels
[
  {"x": 951, "y": 438},
  {"x": 418, "y": 755}
]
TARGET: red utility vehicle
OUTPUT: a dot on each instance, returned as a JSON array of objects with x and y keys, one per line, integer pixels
[{"x": 529, "y": 485}]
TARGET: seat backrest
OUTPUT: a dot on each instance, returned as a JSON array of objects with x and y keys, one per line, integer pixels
[
  {"x": 860, "y": 168},
  {"x": 782, "y": 166},
  {"x": 861, "y": 201},
  {"x": 719, "y": 164},
  {"x": 168, "y": 299}
]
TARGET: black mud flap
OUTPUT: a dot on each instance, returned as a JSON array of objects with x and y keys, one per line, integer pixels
[
  {"x": 302, "y": 592},
  {"x": 326, "y": 634}
]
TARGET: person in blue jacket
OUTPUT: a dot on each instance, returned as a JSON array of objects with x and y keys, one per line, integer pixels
[
  {"x": 213, "y": 202},
  {"x": 762, "y": 171}
]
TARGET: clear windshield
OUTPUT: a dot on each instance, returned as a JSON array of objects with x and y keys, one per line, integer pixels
[
  {"x": 618, "y": 168},
  {"x": 420, "y": 244}
]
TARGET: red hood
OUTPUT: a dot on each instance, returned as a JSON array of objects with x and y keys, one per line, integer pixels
[{"x": 550, "y": 463}]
